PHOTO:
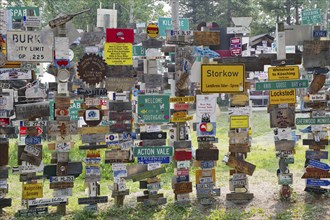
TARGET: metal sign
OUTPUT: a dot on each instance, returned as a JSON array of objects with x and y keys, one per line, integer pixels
[
  {"x": 222, "y": 78},
  {"x": 119, "y": 83},
  {"x": 235, "y": 46},
  {"x": 118, "y": 53},
  {"x": 47, "y": 202},
  {"x": 283, "y": 73},
  {"x": 32, "y": 191},
  {"x": 32, "y": 212},
  {"x": 311, "y": 16},
  {"x": 30, "y": 46},
  {"x": 206, "y": 38},
  {"x": 92, "y": 69},
  {"x": 316, "y": 155},
  {"x": 154, "y": 151},
  {"x": 147, "y": 160},
  {"x": 312, "y": 121},
  {"x": 316, "y": 182},
  {"x": 318, "y": 164},
  {"x": 19, "y": 12},
  {"x": 320, "y": 33},
  {"x": 153, "y": 108},
  {"x": 207, "y": 154},
  {"x": 14, "y": 74},
  {"x": 239, "y": 121},
  {"x": 34, "y": 110},
  {"x": 119, "y": 35},
  {"x": 166, "y": 24},
  {"x": 276, "y": 85},
  {"x": 282, "y": 96}
]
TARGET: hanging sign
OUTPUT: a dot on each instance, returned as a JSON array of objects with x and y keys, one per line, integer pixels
[{"x": 30, "y": 46}]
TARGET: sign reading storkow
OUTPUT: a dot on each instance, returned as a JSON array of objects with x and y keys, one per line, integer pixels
[
  {"x": 153, "y": 108},
  {"x": 283, "y": 72},
  {"x": 222, "y": 78},
  {"x": 282, "y": 96},
  {"x": 30, "y": 46}
]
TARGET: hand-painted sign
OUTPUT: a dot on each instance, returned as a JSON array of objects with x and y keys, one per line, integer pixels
[
  {"x": 32, "y": 212},
  {"x": 164, "y": 151},
  {"x": 282, "y": 117},
  {"x": 148, "y": 174},
  {"x": 241, "y": 166},
  {"x": 30, "y": 46},
  {"x": 287, "y": 84},
  {"x": 93, "y": 200},
  {"x": 118, "y": 53},
  {"x": 223, "y": 78},
  {"x": 318, "y": 164},
  {"x": 207, "y": 154},
  {"x": 153, "y": 108},
  {"x": 316, "y": 155},
  {"x": 92, "y": 69},
  {"x": 14, "y": 74},
  {"x": 206, "y": 38},
  {"x": 282, "y": 96},
  {"x": 283, "y": 73}
]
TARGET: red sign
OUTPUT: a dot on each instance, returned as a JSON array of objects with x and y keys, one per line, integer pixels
[
  {"x": 235, "y": 46},
  {"x": 22, "y": 130},
  {"x": 4, "y": 121},
  {"x": 119, "y": 35},
  {"x": 182, "y": 155},
  {"x": 181, "y": 106},
  {"x": 182, "y": 172}
]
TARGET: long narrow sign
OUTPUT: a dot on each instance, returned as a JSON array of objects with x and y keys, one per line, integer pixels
[
  {"x": 320, "y": 165},
  {"x": 312, "y": 121},
  {"x": 288, "y": 84},
  {"x": 316, "y": 182}
]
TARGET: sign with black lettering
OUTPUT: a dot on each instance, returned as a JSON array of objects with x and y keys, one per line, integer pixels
[
  {"x": 33, "y": 110},
  {"x": 30, "y": 46},
  {"x": 93, "y": 200},
  {"x": 152, "y": 135}
]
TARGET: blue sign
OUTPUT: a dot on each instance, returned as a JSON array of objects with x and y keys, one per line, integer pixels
[
  {"x": 182, "y": 179},
  {"x": 316, "y": 154},
  {"x": 320, "y": 33},
  {"x": 146, "y": 160},
  {"x": 207, "y": 164},
  {"x": 318, "y": 164},
  {"x": 317, "y": 182},
  {"x": 32, "y": 140}
]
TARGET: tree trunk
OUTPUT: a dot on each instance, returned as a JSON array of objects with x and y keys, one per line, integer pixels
[
  {"x": 288, "y": 15},
  {"x": 297, "y": 12}
]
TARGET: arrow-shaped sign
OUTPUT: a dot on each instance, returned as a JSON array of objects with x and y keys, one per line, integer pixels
[
  {"x": 318, "y": 164},
  {"x": 316, "y": 182}
]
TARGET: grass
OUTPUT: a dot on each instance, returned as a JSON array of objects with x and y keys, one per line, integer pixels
[{"x": 262, "y": 155}]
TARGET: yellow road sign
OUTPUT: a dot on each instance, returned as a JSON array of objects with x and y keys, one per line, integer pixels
[
  {"x": 283, "y": 73},
  {"x": 118, "y": 53},
  {"x": 282, "y": 96},
  {"x": 183, "y": 99},
  {"x": 223, "y": 78},
  {"x": 32, "y": 191}
]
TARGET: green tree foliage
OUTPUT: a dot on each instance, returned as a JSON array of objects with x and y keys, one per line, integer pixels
[{"x": 144, "y": 10}]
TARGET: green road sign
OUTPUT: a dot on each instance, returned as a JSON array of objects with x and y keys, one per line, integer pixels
[
  {"x": 153, "y": 108},
  {"x": 166, "y": 24},
  {"x": 19, "y": 12},
  {"x": 311, "y": 16},
  {"x": 73, "y": 110},
  {"x": 159, "y": 151},
  {"x": 312, "y": 121},
  {"x": 287, "y": 84},
  {"x": 139, "y": 51}
]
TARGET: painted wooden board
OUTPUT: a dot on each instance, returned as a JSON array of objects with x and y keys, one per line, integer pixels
[
  {"x": 148, "y": 174},
  {"x": 241, "y": 166},
  {"x": 142, "y": 198},
  {"x": 239, "y": 196},
  {"x": 93, "y": 200},
  {"x": 153, "y": 142},
  {"x": 48, "y": 202},
  {"x": 315, "y": 143},
  {"x": 316, "y": 154},
  {"x": 94, "y": 130},
  {"x": 74, "y": 169},
  {"x": 239, "y": 148},
  {"x": 207, "y": 154},
  {"x": 183, "y": 188},
  {"x": 282, "y": 117},
  {"x": 285, "y": 145},
  {"x": 153, "y": 135}
]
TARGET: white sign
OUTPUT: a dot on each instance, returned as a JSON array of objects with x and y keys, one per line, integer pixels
[
  {"x": 47, "y": 202},
  {"x": 242, "y": 21},
  {"x": 56, "y": 179},
  {"x": 5, "y": 21},
  {"x": 62, "y": 192},
  {"x": 153, "y": 166},
  {"x": 14, "y": 74},
  {"x": 27, "y": 46},
  {"x": 32, "y": 150},
  {"x": 238, "y": 30},
  {"x": 118, "y": 166},
  {"x": 206, "y": 108},
  {"x": 92, "y": 115},
  {"x": 3, "y": 184},
  {"x": 32, "y": 21},
  {"x": 7, "y": 102},
  {"x": 62, "y": 48},
  {"x": 153, "y": 128},
  {"x": 183, "y": 164},
  {"x": 63, "y": 147},
  {"x": 239, "y": 111},
  {"x": 284, "y": 133},
  {"x": 91, "y": 49},
  {"x": 317, "y": 97}
]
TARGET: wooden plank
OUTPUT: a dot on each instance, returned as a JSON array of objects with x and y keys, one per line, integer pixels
[
  {"x": 120, "y": 106},
  {"x": 322, "y": 142},
  {"x": 48, "y": 202},
  {"x": 61, "y": 185},
  {"x": 74, "y": 169},
  {"x": 148, "y": 174},
  {"x": 317, "y": 190},
  {"x": 153, "y": 142},
  {"x": 316, "y": 154},
  {"x": 5, "y": 202},
  {"x": 153, "y": 202},
  {"x": 285, "y": 145},
  {"x": 92, "y": 138},
  {"x": 241, "y": 166},
  {"x": 93, "y": 200},
  {"x": 34, "y": 110},
  {"x": 239, "y": 148},
  {"x": 239, "y": 196},
  {"x": 282, "y": 117},
  {"x": 4, "y": 146},
  {"x": 94, "y": 130},
  {"x": 120, "y": 128},
  {"x": 183, "y": 188},
  {"x": 153, "y": 135},
  {"x": 93, "y": 147},
  {"x": 120, "y": 116},
  {"x": 117, "y": 154},
  {"x": 207, "y": 154},
  {"x": 142, "y": 198},
  {"x": 182, "y": 144},
  {"x": 3, "y": 172}
]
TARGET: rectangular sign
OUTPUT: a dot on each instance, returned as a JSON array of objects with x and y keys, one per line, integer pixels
[
  {"x": 93, "y": 200},
  {"x": 316, "y": 182},
  {"x": 222, "y": 78},
  {"x": 287, "y": 84},
  {"x": 30, "y": 46},
  {"x": 153, "y": 108},
  {"x": 32, "y": 212},
  {"x": 311, "y": 16},
  {"x": 166, "y": 24},
  {"x": 34, "y": 110},
  {"x": 207, "y": 154},
  {"x": 183, "y": 99},
  {"x": 318, "y": 164},
  {"x": 118, "y": 53},
  {"x": 312, "y": 121},
  {"x": 183, "y": 187},
  {"x": 47, "y": 202},
  {"x": 119, "y": 35},
  {"x": 239, "y": 121},
  {"x": 148, "y": 174},
  {"x": 282, "y": 96},
  {"x": 316, "y": 155},
  {"x": 206, "y": 108},
  {"x": 14, "y": 74},
  {"x": 241, "y": 165},
  {"x": 32, "y": 191},
  {"x": 283, "y": 73},
  {"x": 206, "y": 38},
  {"x": 164, "y": 151},
  {"x": 147, "y": 160}
]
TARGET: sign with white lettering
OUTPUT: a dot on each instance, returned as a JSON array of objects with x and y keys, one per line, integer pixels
[
  {"x": 30, "y": 46},
  {"x": 153, "y": 108}
]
